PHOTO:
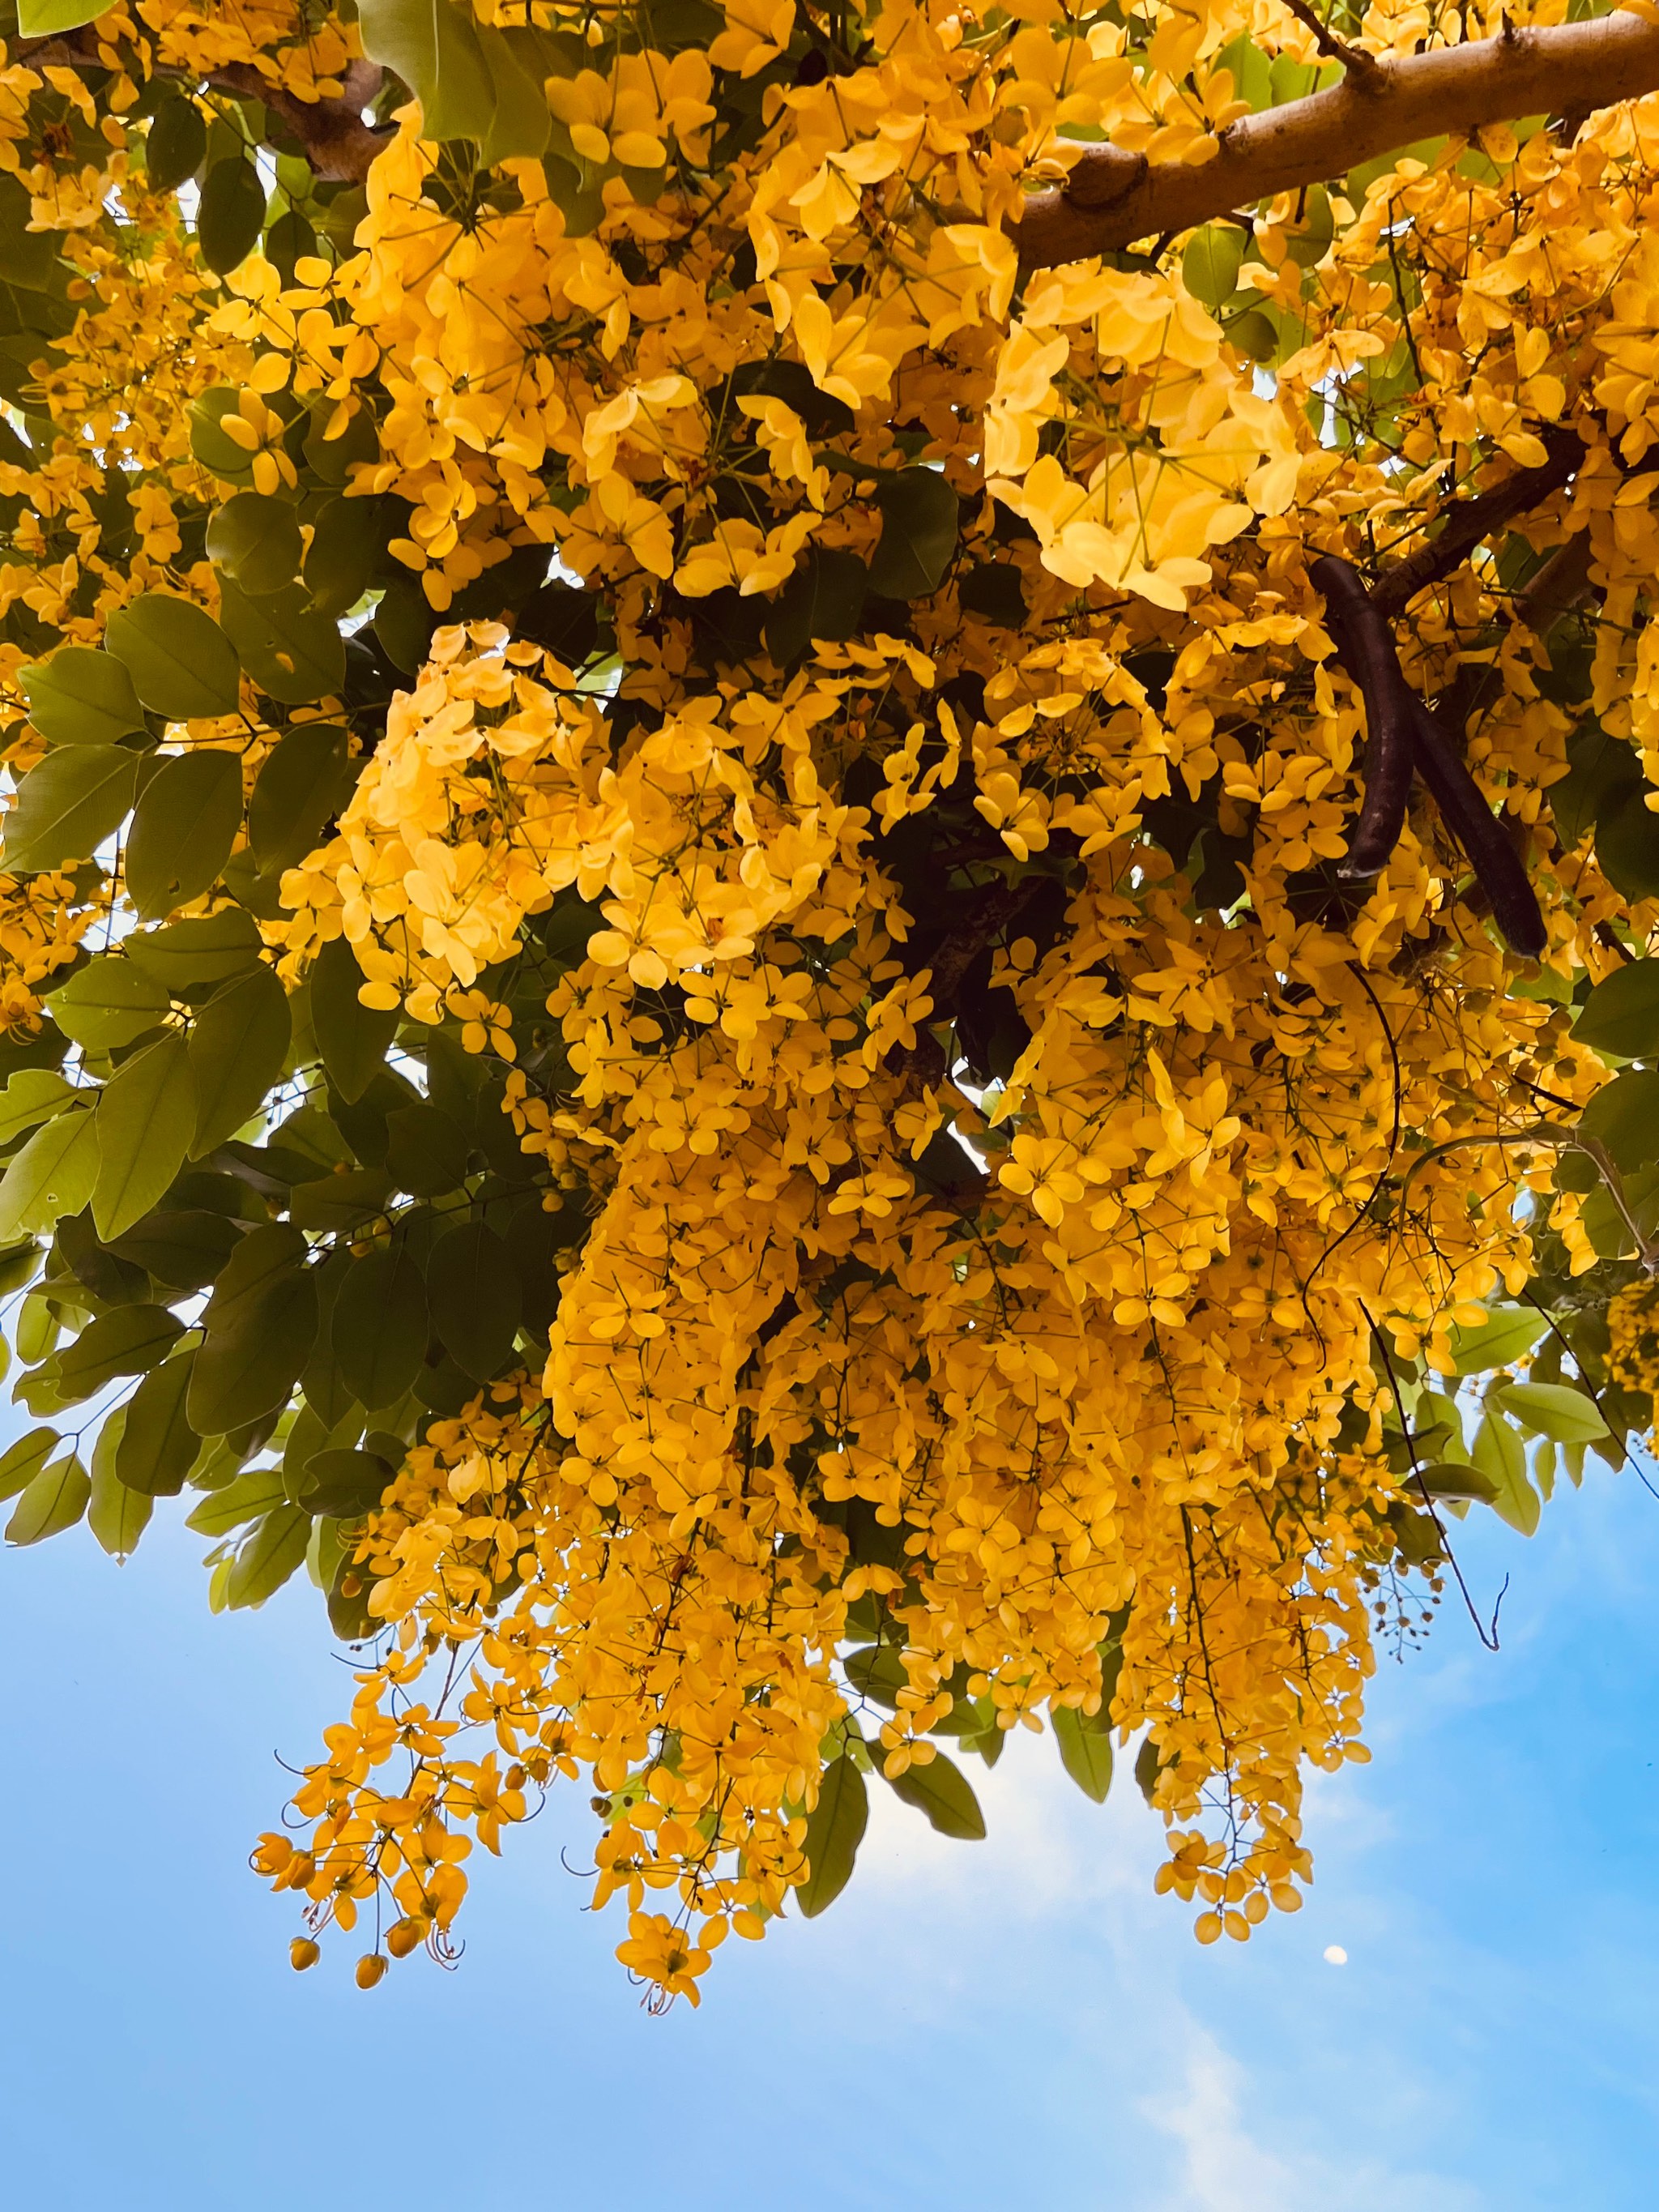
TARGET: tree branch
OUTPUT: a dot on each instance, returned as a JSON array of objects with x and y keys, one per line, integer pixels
[
  {"x": 331, "y": 133},
  {"x": 1113, "y": 197},
  {"x": 1467, "y": 521}
]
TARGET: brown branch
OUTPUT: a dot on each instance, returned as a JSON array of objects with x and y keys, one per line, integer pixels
[
  {"x": 1469, "y": 521},
  {"x": 1113, "y": 197},
  {"x": 1334, "y": 49},
  {"x": 331, "y": 133}
]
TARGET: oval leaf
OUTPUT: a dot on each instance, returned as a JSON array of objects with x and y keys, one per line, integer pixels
[
  {"x": 68, "y": 805},
  {"x": 257, "y": 540},
  {"x": 183, "y": 830},
  {"x": 182, "y": 666},
  {"x": 834, "y": 1829},
  {"x": 192, "y": 958},
  {"x": 304, "y": 780},
  {"x": 231, "y": 213},
  {"x": 81, "y": 697},
  {"x": 54, "y": 1501},
  {"x": 291, "y": 652},
  {"x": 1509, "y": 1333},
  {"x": 238, "y": 1045},
  {"x": 109, "y": 1003},
  {"x": 379, "y": 1329},
  {"x": 158, "y": 1447},
  {"x": 352, "y": 1039},
  {"x": 921, "y": 519},
  {"x": 1085, "y": 1752},
  {"x": 1622, "y": 1014},
  {"x": 944, "y": 1792},
  {"x": 21, "y": 1462},
  {"x": 130, "y": 1341},
  {"x": 473, "y": 1286},
  {"x": 146, "y": 1118},
  {"x": 52, "y": 1175}
]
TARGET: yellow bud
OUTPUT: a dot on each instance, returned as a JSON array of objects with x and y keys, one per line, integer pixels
[
  {"x": 302, "y": 1952},
  {"x": 370, "y": 1967},
  {"x": 403, "y": 1937}
]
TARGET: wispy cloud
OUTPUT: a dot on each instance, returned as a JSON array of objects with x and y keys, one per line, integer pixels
[{"x": 1223, "y": 2168}]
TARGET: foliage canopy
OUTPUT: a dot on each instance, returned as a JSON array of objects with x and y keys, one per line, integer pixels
[{"x": 813, "y": 943}]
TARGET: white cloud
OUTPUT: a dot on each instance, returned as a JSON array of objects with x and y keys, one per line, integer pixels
[{"x": 1223, "y": 2168}]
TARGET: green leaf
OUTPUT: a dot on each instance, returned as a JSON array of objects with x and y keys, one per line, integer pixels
[
  {"x": 130, "y": 1341},
  {"x": 824, "y": 598},
  {"x": 876, "y": 1672},
  {"x": 352, "y": 1039},
  {"x": 184, "y": 1247},
  {"x": 52, "y": 1175},
  {"x": 221, "y": 456},
  {"x": 249, "y": 1498},
  {"x": 68, "y": 805},
  {"x": 27, "y": 257},
  {"x": 183, "y": 830},
  {"x": 256, "y": 540},
  {"x": 1210, "y": 266},
  {"x": 21, "y": 1462},
  {"x": 116, "y": 1517},
  {"x": 191, "y": 959},
  {"x": 468, "y": 80},
  {"x": 292, "y": 652},
  {"x": 344, "y": 1484},
  {"x": 921, "y": 520},
  {"x": 109, "y": 1003},
  {"x": 146, "y": 1118},
  {"x": 1450, "y": 1479},
  {"x": 426, "y": 1151},
  {"x": 348, "y": 540},
  {"x": 54, "y": 1501},
  {"x": 473, "y": 1287},
  {"x": 305, "y": 780},
  {"x": 42, "y": 19},
  {"x": 176, "y": 146},
  {"x": 1627, "y": 845},
  {"x": 81, "y": 697},
  {"x": 182, "y": 666},
  {"x": 834, "y": 1829},
  {"x": 33, "y": 1095},
  {"x": 288, "y": 237},
  {"x": 325, "y": 1392},
  {"x": 1622, "y": 1014},
  {"x": 944, "y": 1792},
  {"x": 19, "y": 1264},
  {"x": 1624, "y": 1117},
  {"x": 379, "y": 1328},
  {"x": 1509, "y": 1333},
  {"x": 995, "y": 590},
  {"x": 261, "y": 1324},
  {"x": 273, "y": 1552},
  {"x": 1085, "y": 1752},
  {"x": 237, "y": 1044},
  {"x": 231, "y": 213},
  {"x": 1554, "y": 1410},
  {"x": 1499, "y": 1454},
  {"x": 158, "y": 1447},
  {"x": 335, "y": 1202}
]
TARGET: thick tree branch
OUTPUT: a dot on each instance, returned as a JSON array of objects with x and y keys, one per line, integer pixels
[{"x": 1113, "y": 197}]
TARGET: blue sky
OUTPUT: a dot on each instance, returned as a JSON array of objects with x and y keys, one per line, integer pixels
[{"x": 1014, "y": 2023}]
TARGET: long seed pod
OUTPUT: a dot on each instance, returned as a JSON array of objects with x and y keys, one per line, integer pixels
[
  {"x": 1496, "y": 863},
  {"x": 1365, "y": 647}
]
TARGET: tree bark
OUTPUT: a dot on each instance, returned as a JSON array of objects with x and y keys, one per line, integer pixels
[{"x": 1113, "y": 197}]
